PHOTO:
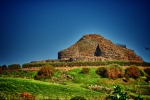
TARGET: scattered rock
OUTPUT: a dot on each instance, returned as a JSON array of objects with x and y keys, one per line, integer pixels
[{"x": 69, "y": 77}]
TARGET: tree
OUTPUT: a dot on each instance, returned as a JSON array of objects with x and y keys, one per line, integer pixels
[
  {"x": 4, "y": 67},
  {"x": 14, "y": 66}
]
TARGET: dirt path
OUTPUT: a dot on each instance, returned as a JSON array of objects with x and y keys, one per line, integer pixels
[
  {"x": 70, "y": 68},
  {"x": 62, "y": 68}
]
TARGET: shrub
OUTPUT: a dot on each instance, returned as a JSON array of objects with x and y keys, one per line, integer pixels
[
  {"x": 14, "y": 66},
  {"x": 101, "y": 71},
  {"x": 114, "y": 71},
  {"x": 26, "y": 95},
  {"x": 118, "y": 94},
  {"x": 141, "y": 73},
  {"x": 138, "y": 98},
  {"x": 4, "y": 67},
  {"x": 147, "y": 78},
  {"x": 111, "y": 71},
  {"x": 45, "y": 72},
  {"x": 132, "y": 72},
  {"x": 85, "y": 70},
  {"x": 147, "y": 71},
  {"x": 78, "y": 98}
]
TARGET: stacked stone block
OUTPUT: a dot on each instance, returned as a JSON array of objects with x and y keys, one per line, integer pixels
[{"x": 93, "y": 47}]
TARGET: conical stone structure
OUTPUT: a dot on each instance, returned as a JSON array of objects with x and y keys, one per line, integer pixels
[{"x": 93, "y": 47}]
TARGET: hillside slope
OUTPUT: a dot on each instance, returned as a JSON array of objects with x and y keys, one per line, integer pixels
[{"x": 10, "y": 87}]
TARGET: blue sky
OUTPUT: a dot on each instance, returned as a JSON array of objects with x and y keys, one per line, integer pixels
[{"x": 37, "y": 29}]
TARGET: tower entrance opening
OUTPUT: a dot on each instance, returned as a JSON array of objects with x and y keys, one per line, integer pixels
[{"x": 98, "y": 51}]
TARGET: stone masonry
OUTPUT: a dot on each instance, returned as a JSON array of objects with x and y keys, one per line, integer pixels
[{"x": 93, "y": 47}]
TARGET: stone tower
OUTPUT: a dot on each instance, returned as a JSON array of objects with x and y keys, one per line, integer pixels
[{"x": 93, "y": 47}]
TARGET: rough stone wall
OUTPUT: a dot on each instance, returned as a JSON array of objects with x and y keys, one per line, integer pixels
[{"x": 93, "y": 47}]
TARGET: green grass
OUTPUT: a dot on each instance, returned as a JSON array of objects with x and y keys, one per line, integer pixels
[
  {"x": 19, "y": 74},
  {"x": 59, "y": 86},
  {"x": 83, "y": 79},
  {"x": 134, "y": 87},
  {"x": 14, "y": 86},
  {"x": 86, "y": 63}
]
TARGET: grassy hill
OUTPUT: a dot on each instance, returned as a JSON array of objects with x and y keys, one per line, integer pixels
[
  {"x": 11, "y": 87},
  {"x": 69, "y": 82}
]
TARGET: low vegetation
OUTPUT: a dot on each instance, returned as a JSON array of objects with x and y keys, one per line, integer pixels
[
  {"x": 101, "y": 71},
  {"x": 78, "y": 98},
  {"x": 114, "y": 71},
  {"x": 77, "y": 63},
  {"x": 18, "y": 74},
  {"x": 3, "y": 67},
  {"x": 118, "y": 94},
  {"x": 147, "y": 71},
  {"x": 85, "y": 71},
  {"x": 14, "y": 67},
  {"x": 41, "y": 90},
  {"x": 45, "y": 72},
  {"x": 111, "y": 71},
  {"x": 88, "y": 83},
  {"x": 132, "y": 72}
]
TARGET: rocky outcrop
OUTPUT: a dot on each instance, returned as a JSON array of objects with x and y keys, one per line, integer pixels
[{"x": 93, "y": 47}]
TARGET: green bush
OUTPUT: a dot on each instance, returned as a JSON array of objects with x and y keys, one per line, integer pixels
[
  {"x": 30, "y": 65},
  {"x": 78, "y": 98},
  {"x": 45, "y": 72},
  {"x": 14, "y": 67},
  {"x": 138, "y": 98},
  {"x": 142, "y": 72},
  {"x": 118, "y": 94},
  {"x": 80, "y": 63},
  {"x": 111, "y": 71},
  {"x": 147, "y": 71},
  {"x": 85, "y": 70},
  {"x": 101, "y": 71},
  {"x": 147, "y": 78},
  {"x": 132, "y": 72},
  {"x": 4, "y": 67},
  {"x": 114, "y": 71},
  {"x": 18, "y": 74}
]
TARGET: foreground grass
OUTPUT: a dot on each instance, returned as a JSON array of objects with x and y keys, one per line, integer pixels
[
  {"x": 59, "y": 86},
  {"x": 18, "y": 74},
  {"x": 134, "y": 87},
  {"x": 10, "y": 87}
]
